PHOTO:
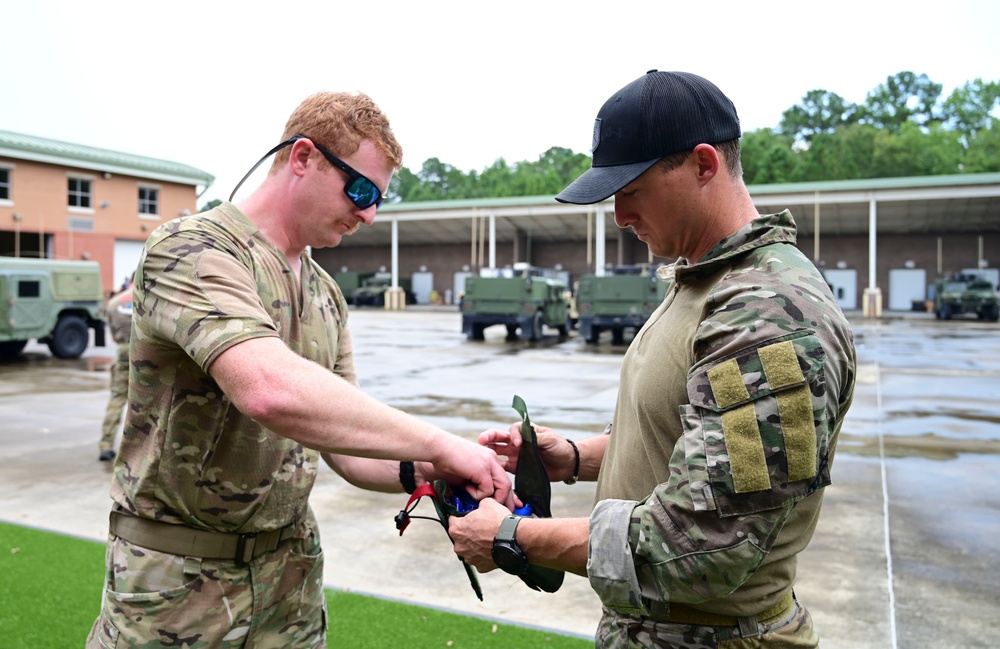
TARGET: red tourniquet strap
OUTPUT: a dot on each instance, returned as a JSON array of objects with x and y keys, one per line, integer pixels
[{"x": 426, "y": 489}]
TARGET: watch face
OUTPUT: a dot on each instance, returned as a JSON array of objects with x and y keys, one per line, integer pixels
[{"x": 509, "y": 558}]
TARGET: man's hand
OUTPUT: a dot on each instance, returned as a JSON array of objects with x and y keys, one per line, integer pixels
[
  {"x": 557, "y": 454},
  {"x": 473, "y": 534},
  {"x": 464, "y": 464}
]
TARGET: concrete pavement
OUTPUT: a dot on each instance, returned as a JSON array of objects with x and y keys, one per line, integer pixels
[{"x": 905, "y": 554}]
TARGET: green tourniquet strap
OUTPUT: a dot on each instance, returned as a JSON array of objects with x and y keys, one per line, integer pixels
[
  {"x": 727, "y": 384},
  {"x": 746, "y": 450},
  {"x": 188, "y": 541}
]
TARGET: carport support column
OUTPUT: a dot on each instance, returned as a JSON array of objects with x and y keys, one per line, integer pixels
[
  {"x": 599, "y": 242},
  {"x": 872, "y": 297},
  {"x": 395, "y": 297},
  {"x": 493, "y": 240}
]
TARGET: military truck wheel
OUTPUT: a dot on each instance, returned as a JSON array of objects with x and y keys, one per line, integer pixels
[
  {"x": 11, "y": 348},
  {"x": 536, "y": 326},
  {"x": 991, "y": 313},
  {"x": 477, "y": 331},
  {"x": 946, "y": 311},
  {"x": 70, "y": 337}
]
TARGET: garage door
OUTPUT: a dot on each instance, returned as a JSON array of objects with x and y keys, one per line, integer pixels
[{"x": 127, "y": 255}]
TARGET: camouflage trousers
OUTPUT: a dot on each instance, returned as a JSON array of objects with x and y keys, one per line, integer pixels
[
  {"x": 793, "y": 631},
  {"x": 153, "y": 599},
  {"x": 119, "y": 396}
]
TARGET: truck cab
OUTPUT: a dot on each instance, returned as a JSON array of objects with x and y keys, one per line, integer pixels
[
  {"x": 621, "y": 300},
  {"x": 524, "y": 299},
  {"x": 53, "y": 301}
]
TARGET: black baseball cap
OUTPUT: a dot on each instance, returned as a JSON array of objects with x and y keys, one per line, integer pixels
[{"x": 657, "y": 114}]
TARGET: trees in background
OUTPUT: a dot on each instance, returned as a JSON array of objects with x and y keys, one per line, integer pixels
[{"x": 903, "y": 128}]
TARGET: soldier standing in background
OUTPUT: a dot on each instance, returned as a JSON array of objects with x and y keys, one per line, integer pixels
[
  {"x": 732, "y": 396},
  {"x": 118, "y": 313}
]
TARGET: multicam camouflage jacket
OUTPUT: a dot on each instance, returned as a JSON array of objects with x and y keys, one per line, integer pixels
[
  {"x": 731, "y": 400},
  {"x": 188, "y": 455}
]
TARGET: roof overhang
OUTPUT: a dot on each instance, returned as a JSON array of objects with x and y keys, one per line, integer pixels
[{"x": 962, "y": 203}]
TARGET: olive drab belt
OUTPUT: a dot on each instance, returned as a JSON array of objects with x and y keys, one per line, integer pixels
[
  {"x": 192, "y": 542},
  {"x": 748, "y": 625}
]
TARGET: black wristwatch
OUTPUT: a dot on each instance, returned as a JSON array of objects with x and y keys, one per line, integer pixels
[{"x": 507, "y": 553}]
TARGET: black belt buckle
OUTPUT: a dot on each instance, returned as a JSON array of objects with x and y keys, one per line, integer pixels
[{"x": 241, "y": 549}]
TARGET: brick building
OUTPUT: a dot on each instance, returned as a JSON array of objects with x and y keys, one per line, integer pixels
[{"x": 68, "y": 201}]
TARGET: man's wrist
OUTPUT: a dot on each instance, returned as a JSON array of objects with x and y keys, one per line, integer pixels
[{"x": 576, "y": 464}]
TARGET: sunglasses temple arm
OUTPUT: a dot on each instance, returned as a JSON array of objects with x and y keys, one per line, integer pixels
[{"x": 266, "y": 156}]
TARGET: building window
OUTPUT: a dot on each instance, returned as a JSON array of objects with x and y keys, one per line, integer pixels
[
  {"x": 149, "y": 200},
  {"x": 79, "y": 192},
  {"x": 4, "y": 184}
]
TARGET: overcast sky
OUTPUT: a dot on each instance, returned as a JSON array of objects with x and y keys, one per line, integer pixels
[{"x": 211, "y": 83}]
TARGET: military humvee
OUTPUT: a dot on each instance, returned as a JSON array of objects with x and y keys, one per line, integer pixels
[
  {"x": 372, "y": 290},
  {"x": 523, "y": 298},
  {"x": 617, "y": 302},
  {"x": 52, "y": 301},
  {"x": 965, "y": 293}
]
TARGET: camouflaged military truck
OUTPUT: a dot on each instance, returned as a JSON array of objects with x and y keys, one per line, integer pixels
[
  {"x": 372, "y": 291},
  {"x": 621, "y": 300},
  {"x": 524, "y": 299},
  {"x": 965, "y": 294},
  {"x": 54, "y": 302}
]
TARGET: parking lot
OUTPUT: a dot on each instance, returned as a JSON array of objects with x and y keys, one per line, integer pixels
[{"x": 906, "y": 553}]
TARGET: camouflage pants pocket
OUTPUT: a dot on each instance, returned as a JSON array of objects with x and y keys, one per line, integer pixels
[
  {"x": 290, "y": 586},
  {"x": 154, "y": 599}
]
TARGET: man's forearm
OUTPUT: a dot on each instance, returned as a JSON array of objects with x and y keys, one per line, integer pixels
[{"x": 559, "y": 543}]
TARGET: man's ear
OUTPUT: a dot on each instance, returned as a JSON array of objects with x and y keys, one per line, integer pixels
[
  {"x": 708, "y": 160},
  {"x": 299, "y": 156}
]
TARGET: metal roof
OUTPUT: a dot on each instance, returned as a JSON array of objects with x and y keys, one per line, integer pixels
[
  {"x": 39, "y": 149},
  {"x": 957, "y": 203}
]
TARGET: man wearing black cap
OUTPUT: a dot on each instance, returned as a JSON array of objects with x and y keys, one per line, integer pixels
[{"x": 732, "y": 396}]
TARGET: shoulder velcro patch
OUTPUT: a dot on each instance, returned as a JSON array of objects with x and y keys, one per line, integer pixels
[{"x": 758, "y": 418}]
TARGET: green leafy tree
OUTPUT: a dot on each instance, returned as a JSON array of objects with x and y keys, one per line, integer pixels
[
  {"x": 982, "y": 154},
  {"x": 844, "y": 155},
  {"x": 821, "y": 111},
  {"x": 902, "y": 129},
  {"x": 215, "y": 202},
  {"x": 904, "y": 97},
  {"x": 973, "y": 108},
  {"x": 768, "y": 157}
]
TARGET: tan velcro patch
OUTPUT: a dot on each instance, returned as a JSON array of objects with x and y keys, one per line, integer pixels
[
  {"x": 795, "y": 410},
  {"x": 727, "y": 384},
  {"x": 746, "y": 449},
  {"x": 780, "y": 365}
]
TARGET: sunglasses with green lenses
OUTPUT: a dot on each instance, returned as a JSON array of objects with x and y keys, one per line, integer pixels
[{"x": 362, "y": 191}]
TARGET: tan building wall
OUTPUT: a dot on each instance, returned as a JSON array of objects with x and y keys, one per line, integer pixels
[{"x": 37, "y": 218}]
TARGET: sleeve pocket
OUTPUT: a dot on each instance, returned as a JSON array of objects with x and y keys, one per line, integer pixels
[{"x": 756, "y": 432}]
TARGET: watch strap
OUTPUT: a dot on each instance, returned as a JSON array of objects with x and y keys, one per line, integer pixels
[{"x": 508, "y": 528}]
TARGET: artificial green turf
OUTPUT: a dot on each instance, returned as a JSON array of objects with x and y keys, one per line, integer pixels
[{"x": 50, "y": 594}]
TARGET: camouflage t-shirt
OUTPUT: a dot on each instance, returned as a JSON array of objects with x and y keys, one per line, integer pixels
[
  {"x": 204, "y": 284},
  {"x": 731, "y": 399}
]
